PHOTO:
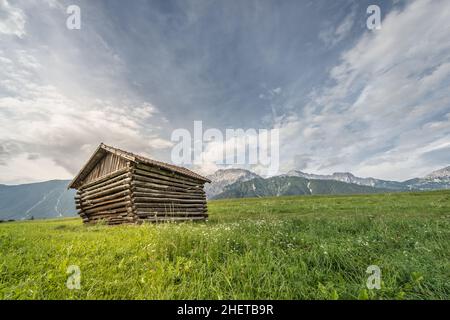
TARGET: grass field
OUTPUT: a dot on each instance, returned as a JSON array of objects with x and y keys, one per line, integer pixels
[{"x": 305, "y": 247}]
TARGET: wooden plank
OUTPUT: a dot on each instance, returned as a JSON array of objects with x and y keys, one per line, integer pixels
[
  {"x": 107, "y": 192},
  {"x": 108, "y": 164},
  {"x": 167, "y": 200},
  {"x": 171, "y": 215},
  {"x": 182, "y": 183},
  {"x": 149, "y": 193},
  {"x": 120, "y": 177},
  {"x": 166, "y": 205},
  {"x": 105, "y": 178},
  {"x": 169, "y": 211},
  {"x": 108, "y": 197},
  {"x": 169, "y": 174},
  {"x": 157, "y": 181},
  {"x": 107, "y": 187},
  {"x": 89, "y": 205},
  {"x": 166, "y": 219},
  {"x": 138, "y": 182},
  {"x": 114, "y": 208}
]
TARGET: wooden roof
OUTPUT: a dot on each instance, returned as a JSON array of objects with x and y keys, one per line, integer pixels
[{"x": 103, "y": 149}]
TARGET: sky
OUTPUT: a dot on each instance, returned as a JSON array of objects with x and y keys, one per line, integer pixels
[{"x": 344, "y": 98}]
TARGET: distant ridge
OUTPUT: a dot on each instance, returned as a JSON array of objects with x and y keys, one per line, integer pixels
[
  {"x": 439, "y": 179},
  {"x": 51, "y": 199},
  {"x": 224, "y": 177},
  {"x": 289, "y": 185},
  {"x": 439, "y": 174},
  {"x": 350, "y": 178}
]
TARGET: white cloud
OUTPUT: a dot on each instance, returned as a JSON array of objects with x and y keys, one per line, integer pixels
[
  {"x": 332, "y": 35},
  {"x": 12, "y": 20},
  {"x": 58, "y": 129},
  {"x": 257, "y": 150},
  {"x": 277, "y": 90},
  {"x": 55, "y": 108},
  {"x": 20, "y": 169},
  {"x": 383, "y": 110},
  {"x": 385, "y": 101}
]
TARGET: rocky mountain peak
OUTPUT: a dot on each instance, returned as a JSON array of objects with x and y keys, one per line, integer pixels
[
  {"x": 441, "y": 173},
  {"x": 224, "y": 177}
]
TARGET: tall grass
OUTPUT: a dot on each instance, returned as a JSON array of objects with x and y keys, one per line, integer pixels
[{"x": 314, "y": 247}]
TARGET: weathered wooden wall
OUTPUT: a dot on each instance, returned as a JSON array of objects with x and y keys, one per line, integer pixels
[
  {"x": 109, "y": 163},
  {"x": 107, "y": 198},
  {"x": 137, "y": 193},
  {"x": 159, "y": 195}
]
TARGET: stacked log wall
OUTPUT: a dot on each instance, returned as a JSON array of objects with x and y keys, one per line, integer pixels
[
  {"x": 160, "y": 195},
  {"x": 107, "y": 199}
]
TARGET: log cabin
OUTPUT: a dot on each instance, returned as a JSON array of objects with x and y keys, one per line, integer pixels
[{"x": 116, "y": 186}]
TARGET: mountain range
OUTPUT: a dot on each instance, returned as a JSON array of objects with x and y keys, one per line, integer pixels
[
  {"x": 347, "y": 177},
  {"x": 224, "y": 177},
  {"x": 290, "y": 185},
  {"x": 244, "y": 183},
  {"x": 51, "y": 199}
]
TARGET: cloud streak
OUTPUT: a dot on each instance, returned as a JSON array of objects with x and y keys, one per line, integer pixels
[
  {"x": 12, "y": 20},
  {"x": 344, "y": 98},
  {"x": 386, "y": 99},
  {"x": 53, "y": 115}
]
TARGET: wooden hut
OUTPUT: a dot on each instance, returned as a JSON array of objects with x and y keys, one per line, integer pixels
[{"x": 117, "y": 187}]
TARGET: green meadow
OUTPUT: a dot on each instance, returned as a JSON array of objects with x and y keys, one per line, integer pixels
[{"x": 301, "y": 247}]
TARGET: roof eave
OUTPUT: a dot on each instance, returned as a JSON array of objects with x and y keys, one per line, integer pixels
[
  {"x": 73, "y": 184},
  {"x": 199, "y": 177}
]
